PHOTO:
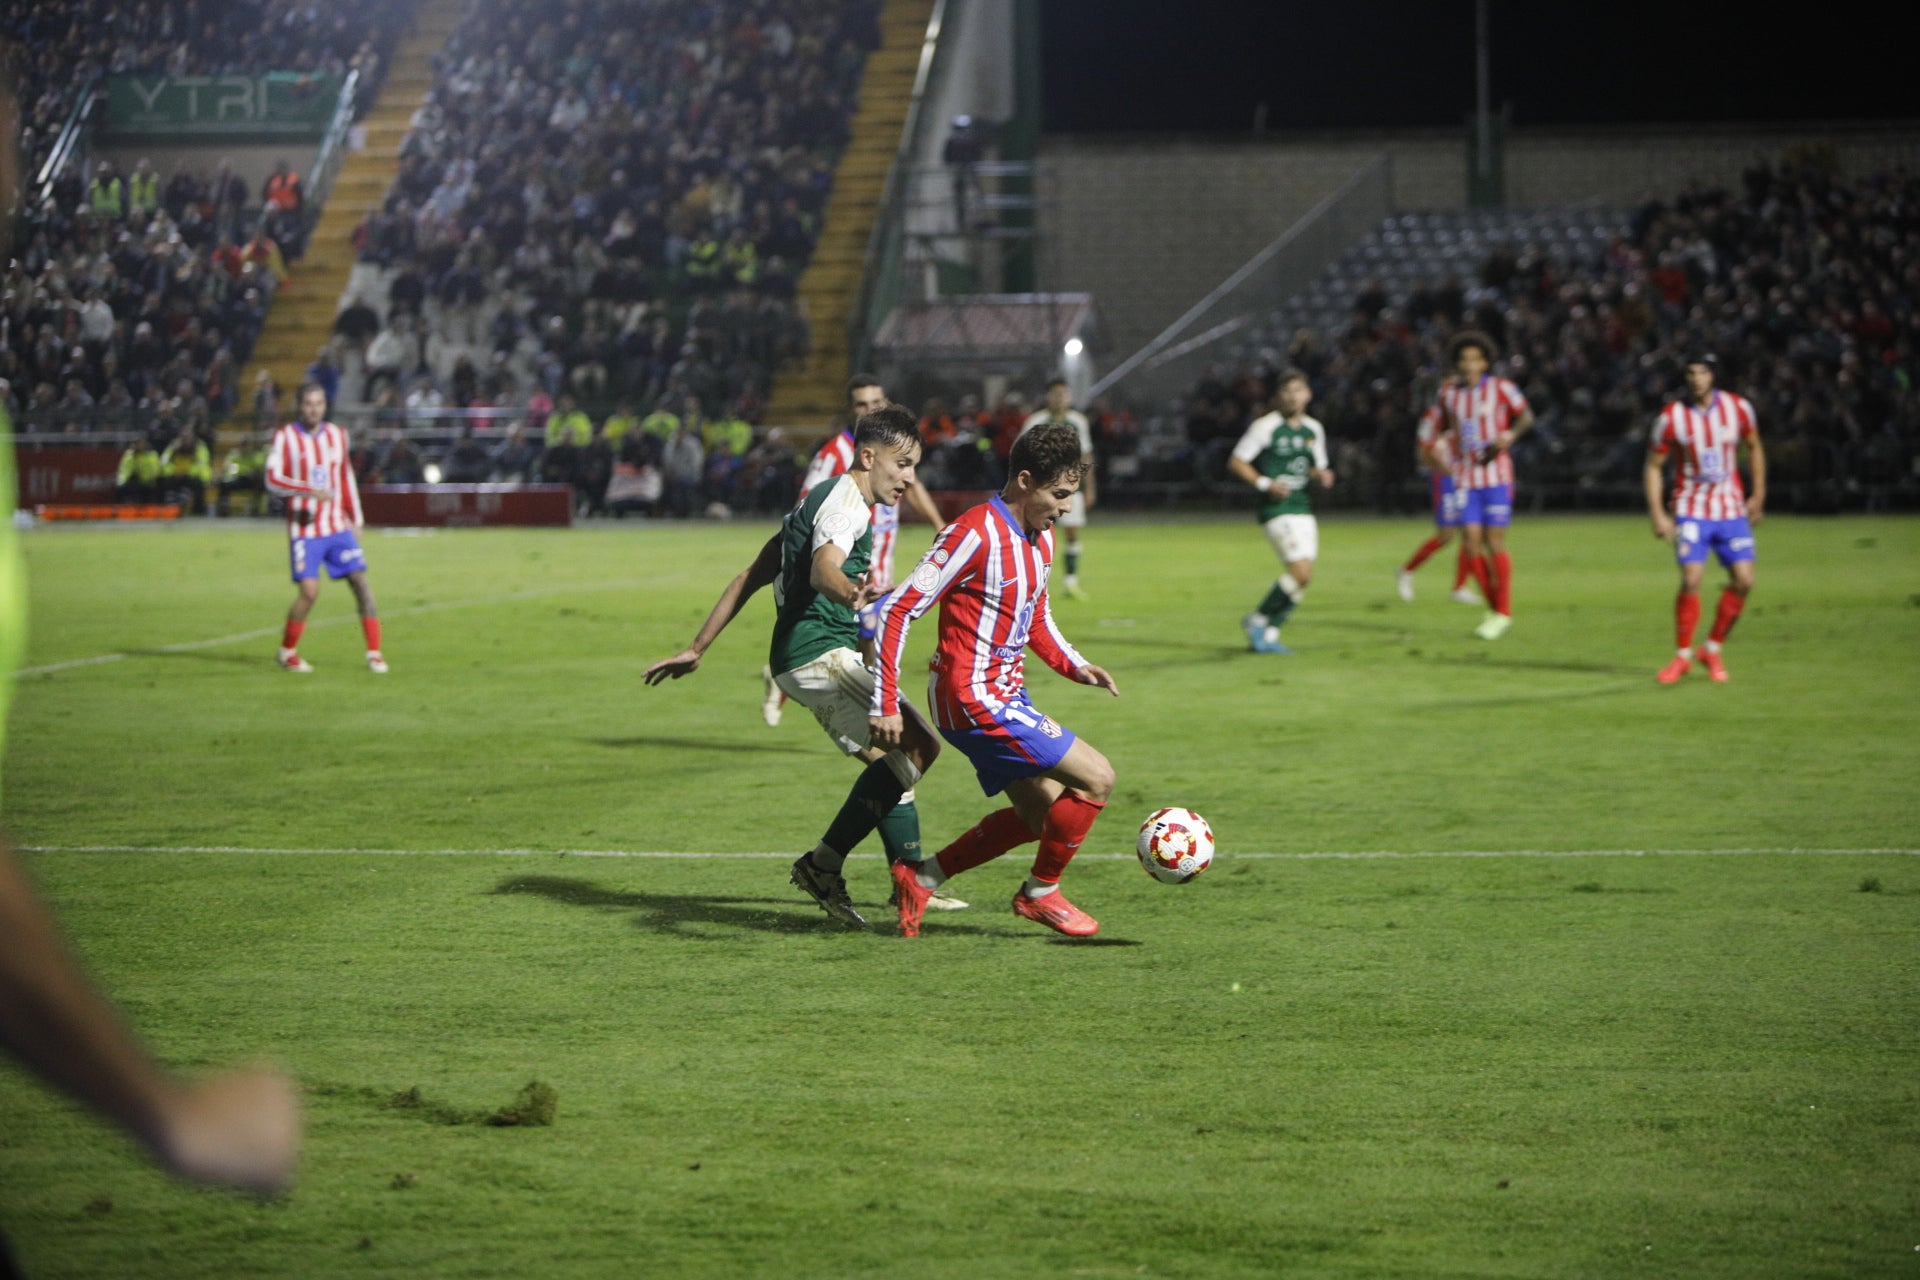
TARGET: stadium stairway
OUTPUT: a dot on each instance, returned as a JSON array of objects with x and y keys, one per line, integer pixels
[
  {"x": 829, "y": 288},
  {"x": 300, "y": 319}
]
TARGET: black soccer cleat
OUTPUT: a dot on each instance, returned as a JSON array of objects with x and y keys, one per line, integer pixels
[{"x": 828, "y": 889}]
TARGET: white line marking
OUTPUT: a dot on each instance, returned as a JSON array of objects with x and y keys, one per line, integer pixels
[
  {"x": 261, "y": 633},
  {"x": 638, "y": 853}
]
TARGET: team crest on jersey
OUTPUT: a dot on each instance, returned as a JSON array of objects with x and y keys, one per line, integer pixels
[
  {"x": 1049, "y": 727},
  {"x": 940, "y": 555},
  {"x": 925, "y": 577}
]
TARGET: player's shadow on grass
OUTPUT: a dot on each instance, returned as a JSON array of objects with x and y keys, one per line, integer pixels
[
  {"x": 677, "y": 914},
  {"x": 699, "y": 744},
  {"x": 1539, "y": 664}
]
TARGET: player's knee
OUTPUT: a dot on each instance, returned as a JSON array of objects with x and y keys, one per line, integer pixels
[{"x": 1096, "y": 782}]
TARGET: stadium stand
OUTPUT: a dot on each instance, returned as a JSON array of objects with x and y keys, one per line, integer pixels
[{"x": 1801, "y": 281}]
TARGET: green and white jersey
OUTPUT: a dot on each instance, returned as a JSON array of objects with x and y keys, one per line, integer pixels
[
  {"x": 809, "y": 624},
  {"x": 1288, "y": 452}
]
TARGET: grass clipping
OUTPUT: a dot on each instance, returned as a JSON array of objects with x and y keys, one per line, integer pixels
[{"x": 534, "y": 1105}]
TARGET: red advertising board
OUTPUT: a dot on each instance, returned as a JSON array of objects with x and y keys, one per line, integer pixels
[
  {"x": 467, "y": 504},
  {"x": 55, "y": 474}
]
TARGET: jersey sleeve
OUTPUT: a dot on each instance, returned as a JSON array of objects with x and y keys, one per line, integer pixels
[
  {"x": 1081, "y": 425},
  {"x": 840, "y": 524},
  {"x": 280, "y": 478},
  {"x": 825, "y": 466},
  {"x": 1254, "y": 439},
  {"x": 1749, "y": 420},
  {"x": 1319, "y": 444},
  {"x": 1050, "y": 645},
  {"x": 1512, "y": 397},
  {"x": 1662, "y": 438},
  {"x": 956, "y": 554}
]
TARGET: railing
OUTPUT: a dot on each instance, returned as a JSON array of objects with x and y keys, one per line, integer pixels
[
  {"x": 67, "y": 142},
  {"x": 880, "y": 275},
  {"x": 1168, "y": 364},
  {"x": 326, "y": 162}
]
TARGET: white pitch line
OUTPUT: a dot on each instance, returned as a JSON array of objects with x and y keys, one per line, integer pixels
[
  {"x": 639, "y": 853},
  {"x": 261, "y": 633}
]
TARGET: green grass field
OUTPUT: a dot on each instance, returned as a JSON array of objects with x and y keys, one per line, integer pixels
[{"x": 1668, "y": 1027}]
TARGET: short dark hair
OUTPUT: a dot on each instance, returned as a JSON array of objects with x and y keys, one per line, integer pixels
[
  {"x": 1291, "y": 374},
  {"x": 1048, "y": 452},
  {"x": 311, "y": 385},
  {"x": 1057, "y": 382},
  {"x": 1472, "y": 338},
  {"x": 860, "y": 380},
  {"x": 1707, "y": 358},
  {"x": 888, "y": 427}
]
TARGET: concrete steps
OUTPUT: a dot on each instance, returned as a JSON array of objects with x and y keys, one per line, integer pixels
[{"x": 829, "y": 288}]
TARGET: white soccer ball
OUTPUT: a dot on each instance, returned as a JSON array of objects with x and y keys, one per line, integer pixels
[{"x": 1175, "y": 845}]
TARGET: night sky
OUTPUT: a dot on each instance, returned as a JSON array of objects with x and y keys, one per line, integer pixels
[{"x": 1203, "y": 65}]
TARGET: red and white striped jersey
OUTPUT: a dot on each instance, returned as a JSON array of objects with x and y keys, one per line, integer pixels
[
  {"x": 303, "y": 464},
  {"x": 1430, "y": 435},
  {"x": 991, "y": 580},
  {"x": 1708, "y": 484},
  {"x": 835, "y": 459},
  {"x": 1472, "y": 417}
]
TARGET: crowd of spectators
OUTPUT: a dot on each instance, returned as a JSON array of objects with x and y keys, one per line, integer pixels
[
  {"x": 1802, "y": 281},
  {"x": 615, "y": 199},
  {"x": 56, "y": 47}
]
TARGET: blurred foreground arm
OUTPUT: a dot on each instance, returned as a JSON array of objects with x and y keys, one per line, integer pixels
[{"x": 241, "y": 1129}]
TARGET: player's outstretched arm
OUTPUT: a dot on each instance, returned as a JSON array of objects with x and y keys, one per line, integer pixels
[
  {"x": 241, "y": 1129},
  {"x": 732, "y": 599}
]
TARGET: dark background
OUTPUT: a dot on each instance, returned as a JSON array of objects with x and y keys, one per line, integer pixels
[{"x": 1203, "y": 65}]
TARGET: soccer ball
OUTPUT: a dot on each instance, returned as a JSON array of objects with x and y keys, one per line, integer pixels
[{"x": 1175, "y": 845}]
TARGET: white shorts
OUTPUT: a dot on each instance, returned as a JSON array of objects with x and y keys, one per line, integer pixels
[
  {"x": 838, "y": 689},
  {"x": 1294, "y": 537},
  {"x": 1076, "y": 517}
]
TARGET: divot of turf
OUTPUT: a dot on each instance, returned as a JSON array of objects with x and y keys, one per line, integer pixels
[{"x": 533, "y": 1105}]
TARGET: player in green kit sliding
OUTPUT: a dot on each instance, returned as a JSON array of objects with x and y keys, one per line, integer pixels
[
  {"x": 1279, "y": 454},
  {"x": 817, "y": 565}
]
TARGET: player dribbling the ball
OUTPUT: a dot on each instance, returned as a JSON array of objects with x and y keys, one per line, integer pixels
[{"x": 989, "y": 570}]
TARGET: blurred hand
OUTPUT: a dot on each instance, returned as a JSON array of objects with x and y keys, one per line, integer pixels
[
  {"x": 885, "y": 731},
  {"x": 1663, "y": 526},
  {"x": 1099, "y": 679},
  {"x": 240, "y": 1129}
]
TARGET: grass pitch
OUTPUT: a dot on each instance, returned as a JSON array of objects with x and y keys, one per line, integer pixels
[{"x": 1570, "y": 1062}]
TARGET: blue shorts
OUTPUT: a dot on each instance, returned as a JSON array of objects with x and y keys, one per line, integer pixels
[
  {"x": 1730, "y": 540},
  {"x": 1492, "y": 505},
  {"x": 1021, "y": 743},
  {"x": 1447, "y": 498},
  {"x": 340, "y": 552}
]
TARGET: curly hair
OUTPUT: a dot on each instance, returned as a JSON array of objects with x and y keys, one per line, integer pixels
[
  {"x": 1472, "y": 338},
  {"x": 1049, "y": 452}
]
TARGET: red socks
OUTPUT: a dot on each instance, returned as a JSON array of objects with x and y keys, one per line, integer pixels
[
  {"x": 1731, "y": 603},
  {"x": 372, "y": 627},
  {"x": 1686, "y": 616},
  {"x": 1067, "y": 824},
  {"x": 1461, "y": 570},
  {"x": 998, "y": 832},
  {"x": 290, "y": 638},
  {"x": 1502, "y": 597},
  {"x": 1477, "y": 570},
  {"x": 1426, "y": 550}
]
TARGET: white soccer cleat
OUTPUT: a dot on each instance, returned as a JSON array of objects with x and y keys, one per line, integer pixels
[
  {"x": 770, "y": 697},
  {"x": 944, "y": 901},
  {"x": 1467, "y": 595},
  {"x": 1403, "y": 583},
  {"x": 1494, "y": 627},
  {"x": 290, "y": 660},
  {"x": 376, "y": 663}
]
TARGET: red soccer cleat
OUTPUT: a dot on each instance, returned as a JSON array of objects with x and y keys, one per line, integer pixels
[
  {"x": 909, "y": 898},
  {"x": 1055, "y": 912},
  {"x": 1674, "y": 672},
  {"x": 1714, "y": 667}
]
